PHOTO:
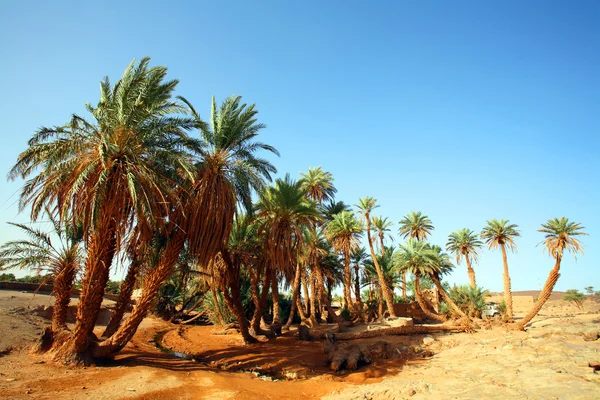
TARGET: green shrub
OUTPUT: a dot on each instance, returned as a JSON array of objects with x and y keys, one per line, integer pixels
[
  {"x": 470, "y": 300},
  {"x": 576, "y": 297},
  {"x": 8, "y": 278}
]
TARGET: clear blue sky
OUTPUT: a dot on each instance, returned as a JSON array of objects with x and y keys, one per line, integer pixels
[{"x": 466, "y": 111}]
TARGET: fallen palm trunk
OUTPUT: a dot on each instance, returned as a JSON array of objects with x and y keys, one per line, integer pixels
[{"x": 400, "y": 330}]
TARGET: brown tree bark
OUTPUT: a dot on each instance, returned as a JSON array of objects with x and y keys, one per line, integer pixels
[
  {"x": 387, "y": 293},
  {"x": 260, "y": 302},
  {"x": 347, "y": 282},
  {"x": 359, "y": 303},
  {"x": 447, "y": 298},
  {"x": 471, "y": 272},
  {"x": 325, "y": 299},
  {"x": 305, "y": 288},
  {"x": 63, "y": 283},
  {"x": 544, "y": 294},
  {"x": 404, "y": 284},
  {"x": 507, "y": 292},
  {"x": 422, "y": 304},
  {"x": 124, "y": 298},
  {"x": 400, "y": 330},
  {"x": 315, "y": 314},
  {"x": 275, "y": 299},
  {"x": 295, "y": 292},
  {"x": 150, "y": 288}
]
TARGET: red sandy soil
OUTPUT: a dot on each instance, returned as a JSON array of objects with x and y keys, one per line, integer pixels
[{"x": 548, "y": 361}]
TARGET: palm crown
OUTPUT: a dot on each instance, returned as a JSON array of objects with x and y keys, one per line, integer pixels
[
  {"x": 500, "y": 233},
  {"x": 464, "y": 242},
  {"x": 318, "y": 185},
  {"x": 560, "y": 235},
  {"x": 415, "y": 226}
]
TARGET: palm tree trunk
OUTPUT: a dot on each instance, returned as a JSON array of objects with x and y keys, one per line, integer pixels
[
  {"x": 325, "y": 298},
  {"x": 404, "y": 284},
  {"x": 357, "y": 286},
  {"x": 422, "y": 304},
  {"x": 471, "y": 272},
  {"x": 347, "y": 282},
  {"x": 152, "y": 283},
  {"x": 446, "y": 296},
  {"x": 63, "y": 283},
  {"x": 305, "y": 288},
  {"x": 295, "y": 293},
  {"x": 124, "y": 298},
  {"x": 544, "y": 295},
  {"x": 387, "y": 293},
  {"x": 507, "y": 292},
  {"x": 315, "y": 315},
  {"x": 234, "y": 302},
  {"x": 275, "y": 299},
  {"x": 259, "y": 304}
]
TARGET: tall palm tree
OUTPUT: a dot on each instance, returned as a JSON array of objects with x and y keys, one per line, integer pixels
[
  {"x": 228, "y": 169},
  {"x": 359, "y": 256},
  {"x": 107, "y": 173},
  {"x": 415, "y": 256},
  {"x": 366, "y": 206},
  {"x": 344, "y": 231},
  {"x": 40, "y": 253},
  {"x": 389, "y": 271},
  {"x": 465, "y": 243},
  {"x": 560, "y": 235},
  {"x": 381, "y": 226},
  {"x": 414, "y": 225},
  {"x": 440, "y": 265},
  {"x": 499, "y": 233},
  {"x": 284, "y": 212}
]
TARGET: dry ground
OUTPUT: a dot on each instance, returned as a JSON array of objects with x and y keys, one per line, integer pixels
[{"x": 548, "y": 361}]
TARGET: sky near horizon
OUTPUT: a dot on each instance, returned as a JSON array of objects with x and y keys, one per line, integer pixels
[{"x": 466, "y": 110}]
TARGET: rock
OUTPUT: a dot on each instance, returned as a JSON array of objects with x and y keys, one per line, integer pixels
[
  {"x": 412, "y": 392},
  {"x": 395, "y": 322},
  {"x": 590, "y": 336},
  {"x": 428, "y": 340}
]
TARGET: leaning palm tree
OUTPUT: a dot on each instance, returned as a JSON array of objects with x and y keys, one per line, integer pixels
[
  {"x": 560, "y": 235},
  {"x": 440, "y": 265},
  {"x": 381, "y": 226},
  {"x": 499, "y": 233},
  {"x": 415, "y": 257},
  {"x": 366, "y": 206},
  {"x": 344, "y": 231},
  {"x": 465, "y": 243},
  {"x": 108, "y": 173},
  {"x": 40, "y": 253},
  {"x": 284, "y": 211},
  {"x": 414, "y": 225}
]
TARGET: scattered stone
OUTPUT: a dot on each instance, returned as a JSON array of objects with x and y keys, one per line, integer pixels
[
  {"x": 595, "y": 365},
  {"x": 266, "y": 378},
  {"x": 11, "y": 379},
  {"x": 396, "y": 322},
  {"x": 412, "y": 392},
  {"x": 131, "y": 389},
  {"x": 428, "y": 340},
  {"x": 591, "y": 336},
  {"x": 83, "y": 387}
]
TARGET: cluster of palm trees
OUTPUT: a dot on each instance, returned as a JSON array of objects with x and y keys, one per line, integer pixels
[{"x": 147, "y": 179}]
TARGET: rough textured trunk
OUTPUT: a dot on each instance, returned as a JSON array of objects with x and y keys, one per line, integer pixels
[
  {"x": 359, "y": 303},
  {"x": 404, "y": 284},
  {"x": 421, "y": 301},
  {"x": 471, "y": 272},
  {"x": 150, "y": 288},
  {"x": 447, "y": 298},
  {"x": 101, "y": 250},
  {"x": 325, "y": 299},
  {"x": 275, "y": 298},
  {"x": 63, "y": 283},
  {"x": 380, "y": 303},
  {"x": 315, "y": 314},
  {"x": 305, "y": 288},
  {"x": 260, "y": 303},
  {"x": 387, "y": 293},
  {"x": 347, "y": 282},
  {"x": 295, "y": 292},
  {"x": 544, "y": 294},
  {"x": 234, "y": 302},
  {"x": 124, "y": 298},
  {"x": 507, "y": 292}
]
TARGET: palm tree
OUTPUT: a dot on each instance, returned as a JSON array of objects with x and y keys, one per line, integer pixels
[
  {"x": 318, "y": 185},
  {"x": 441, "y": 265},
  {"x": 465, "y": 243},
  {"x": 333, "y": 207},
  {"x": 284, "y": 212},
  {"x": 228, "y": 169},
  {"x": 389, "y": 271},
  {"x": 381, "y": 226},
  {"x": 108, "y": 173},
  {"x": 499, "y": 233},
  {"x": 359, "y": 256},
  {"x": 344, "y": 231},
  {"x": 414, "y": 225},
  {"x": 560, "y": 235},
  {"x": 61, "y": 261},
  {"x": 415, "y": 256},
  {"x": 366, "y": 206}
]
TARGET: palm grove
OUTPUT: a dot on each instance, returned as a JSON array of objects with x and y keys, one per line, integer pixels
[{"x": 146, "y": 179}]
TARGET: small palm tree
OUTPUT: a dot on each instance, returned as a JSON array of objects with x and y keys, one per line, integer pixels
[
  {"x": 560, "y": 235},
  {"x": 344, "y": 231},
  {"x": 366, "y": 205},
  {"x": 318, "y": 185},
  {"x": 415, "y": 225},
  {"x": 465, "y": 243},
  {"x": 499, "y": 233},
  {"x": 333, "y": 207},
  {"x": 61, "y": 261},
  {"x": 381, "y": 226}
]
